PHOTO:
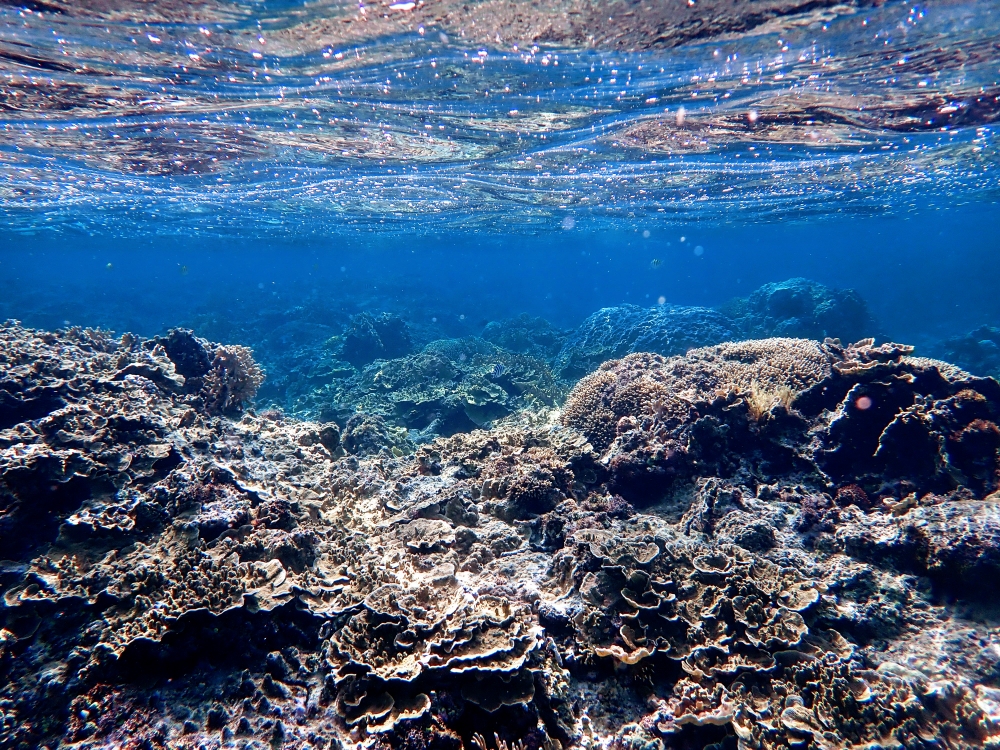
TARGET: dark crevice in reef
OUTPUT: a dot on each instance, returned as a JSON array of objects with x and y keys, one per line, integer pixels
[
  {"x": 31, "y": 519},
  {"x": 750, "y": 544},
  {"x": 202, "y": 641},
  {"x": 30, "y": 405}
]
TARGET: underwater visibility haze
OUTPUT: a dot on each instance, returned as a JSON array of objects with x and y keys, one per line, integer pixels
[{"x": 499, "y": 375}]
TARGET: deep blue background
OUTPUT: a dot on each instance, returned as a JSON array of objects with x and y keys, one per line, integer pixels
[{"x": 925, "y": 276}]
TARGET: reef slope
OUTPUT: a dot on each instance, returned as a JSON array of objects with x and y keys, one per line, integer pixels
[{"x": 768, "y": 544}]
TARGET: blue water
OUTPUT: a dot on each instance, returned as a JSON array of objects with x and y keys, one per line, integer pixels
[
  {"x": 238, "y": 167},
  {"x": 923, "y": 276}
]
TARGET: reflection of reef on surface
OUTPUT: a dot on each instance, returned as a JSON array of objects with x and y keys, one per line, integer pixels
[{"x": 771, "y": 544}]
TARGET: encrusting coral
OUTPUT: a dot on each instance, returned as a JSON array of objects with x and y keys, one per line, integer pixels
[{"x": 770, "y": 544}]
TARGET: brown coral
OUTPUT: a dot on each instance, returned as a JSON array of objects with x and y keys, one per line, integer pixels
[
  {"x": 662, "y": 566},
  {"x": 232, "y": 381}
]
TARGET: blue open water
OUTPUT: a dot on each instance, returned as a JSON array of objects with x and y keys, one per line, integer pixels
[{"x": 163, "y": 166}]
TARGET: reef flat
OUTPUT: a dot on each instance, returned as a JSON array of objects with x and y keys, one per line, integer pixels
[{"x": 774, "y": 543}]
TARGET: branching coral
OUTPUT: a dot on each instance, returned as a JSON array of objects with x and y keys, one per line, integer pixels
[{"x": 232, "y": 380}]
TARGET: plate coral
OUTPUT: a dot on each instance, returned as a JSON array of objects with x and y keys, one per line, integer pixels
[{"x": 775, "y": 543}]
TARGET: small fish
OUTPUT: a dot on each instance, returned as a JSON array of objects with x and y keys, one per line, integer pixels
[
  {"x": 497, "y": 371},
  {"x": 655, "y": 263}
]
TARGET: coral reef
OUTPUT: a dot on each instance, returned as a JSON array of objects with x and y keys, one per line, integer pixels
[
  {"x": 613, "y": 332},
  {"x": 452, "y": 385},
  {"x": 977, "y": 351},
  {"x": 525, "y": 335},
  {"x": 369, "y": 337},
  {"x": 861, "y": 415},
  {"x": 766, "y": 544},
  {"x": 801, "y": 308}
]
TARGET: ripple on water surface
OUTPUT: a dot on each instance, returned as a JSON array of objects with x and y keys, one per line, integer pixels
[{"x": 223, "y": 117}]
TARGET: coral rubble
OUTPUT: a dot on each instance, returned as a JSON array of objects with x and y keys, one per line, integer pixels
[{"x": 768, "y": 544}]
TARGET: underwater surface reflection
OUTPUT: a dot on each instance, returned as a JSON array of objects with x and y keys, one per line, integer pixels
[{"x": 280, "y": 118}]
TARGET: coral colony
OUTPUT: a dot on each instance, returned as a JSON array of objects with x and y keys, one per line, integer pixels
[{"x": 633, "y": 535}]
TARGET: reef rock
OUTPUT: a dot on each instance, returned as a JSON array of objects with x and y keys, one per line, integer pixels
[
  {"x": 977, "y": 351},
  {"x": 525, "y": 335},
  {"x": 872, "y": 417},
  {"x": 613, "y": 332},
  {"x": 801, "y": 308},
  {"x": 369, "y": 337},
  {"x": 768, "y": 544},
  {"x": 452, "y": 385}
]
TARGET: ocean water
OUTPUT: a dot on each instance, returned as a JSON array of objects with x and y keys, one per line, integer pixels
[
  {"x": 278, "y": 174},
  {"x": 158, "y": 162}
]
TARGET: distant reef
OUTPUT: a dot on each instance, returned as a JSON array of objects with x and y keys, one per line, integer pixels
[
  {"x": 777, "y": 543},
  {"x": 977, "y": 351},
  {"x": 616, "y": 331},
  {"x": 425, "y": 389}
]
